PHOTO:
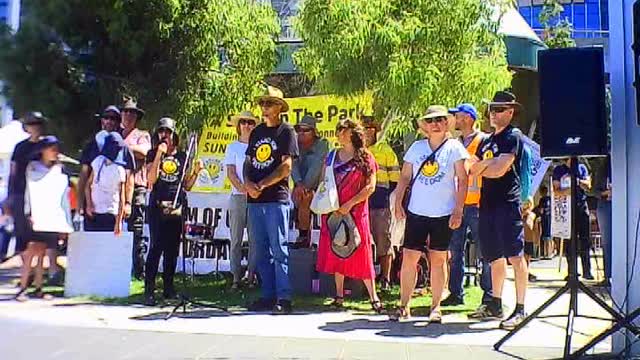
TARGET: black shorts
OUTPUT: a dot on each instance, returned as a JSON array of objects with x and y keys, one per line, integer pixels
[
  {"x": 420, "y": 229},
  {"x": 501, "y": 231},
  {"x": 48, "y": 238}
]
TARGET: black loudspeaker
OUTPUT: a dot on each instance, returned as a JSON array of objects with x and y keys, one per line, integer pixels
[{"x": 572, "y": 102}]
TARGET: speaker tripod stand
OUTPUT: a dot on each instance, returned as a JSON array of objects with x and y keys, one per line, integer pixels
[
  {"x": 572, "y": 287},
  {"x": 186, "y": 300}
]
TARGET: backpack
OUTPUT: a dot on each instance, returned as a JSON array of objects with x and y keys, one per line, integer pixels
[{"x": 525, "y": 170}]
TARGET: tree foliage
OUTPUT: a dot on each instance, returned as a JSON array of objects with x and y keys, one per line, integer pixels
[
  {"x": 557, "y": 30},
  {"x": 194, "y": 60},
  {"x": 409, "y": 53}
]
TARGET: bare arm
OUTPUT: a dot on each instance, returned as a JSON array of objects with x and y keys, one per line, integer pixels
[
  {"x": 406, "y": 174},
  {"x": 363, "y": 194},
  {"x": 463, "y": 186},
  {"x": 82, "y": 181},
  {"x": 121, "y": 207},
  {"x": 497, "y": 167},
  {"x": 154, "y": 168},
  {"x": 87, "y": 192},
  {"x": 250, "y": 186},
  {"x": 129, "y": 187},
  {"x": 280, "y": 173},
  {"x": 140, "y": 150},
  {"x": 190, "y": 180},
  {"x": 461, "y": 194},
  {"x": 234, "y": 178}
]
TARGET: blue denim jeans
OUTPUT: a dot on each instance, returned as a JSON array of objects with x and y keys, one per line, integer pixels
[
  {"x": 470, "y": 220},
  {"x": 269, "y": 227},
  {"x": 604, "y": 222}
]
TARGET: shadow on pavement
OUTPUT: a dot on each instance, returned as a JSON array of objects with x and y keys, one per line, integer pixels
[{"x": 415, "y": 328}]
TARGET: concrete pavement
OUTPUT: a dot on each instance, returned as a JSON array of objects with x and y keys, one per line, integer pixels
[{"x": 75, "y": 328}]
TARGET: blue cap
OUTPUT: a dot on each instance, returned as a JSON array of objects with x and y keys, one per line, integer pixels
[{"x": 467, "y": 109}]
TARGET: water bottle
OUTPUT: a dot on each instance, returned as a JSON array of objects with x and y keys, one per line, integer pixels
[{"x": 78, "y": 222}]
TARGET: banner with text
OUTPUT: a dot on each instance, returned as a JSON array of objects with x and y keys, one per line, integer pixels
[{"x": 214, "y": 140}]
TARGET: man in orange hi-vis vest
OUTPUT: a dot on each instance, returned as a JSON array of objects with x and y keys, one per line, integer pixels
[{"x": 466, "y": 116}]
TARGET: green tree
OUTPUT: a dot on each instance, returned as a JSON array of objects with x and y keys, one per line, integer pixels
[
  {"x": 557, "y": 30},
  {"x": 194, "y": 60},
  {"x": 408, "y": 53}
]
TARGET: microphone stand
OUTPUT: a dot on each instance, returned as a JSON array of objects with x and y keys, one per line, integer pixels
[{"x": 186, "y": 300}]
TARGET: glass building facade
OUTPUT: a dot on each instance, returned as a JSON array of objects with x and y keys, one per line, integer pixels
[{"x": 590, "y": 18}]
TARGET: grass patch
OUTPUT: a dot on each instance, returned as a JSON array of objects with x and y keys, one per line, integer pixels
[{"x": 217, "y": 291}]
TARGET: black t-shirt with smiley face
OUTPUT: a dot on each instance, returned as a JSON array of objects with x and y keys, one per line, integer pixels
[
  {"x": 169, "y": 175},
  {"x": 267, "y": 146},
  {"x": 505, "y": 189}
]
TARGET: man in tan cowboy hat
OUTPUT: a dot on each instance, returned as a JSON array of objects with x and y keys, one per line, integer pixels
[
  {"x": 267, "y": 167},
  {"x": 233, "y": 161},
  {"x": 306, "y": 172},
  {"x": 139, "y": 143}
]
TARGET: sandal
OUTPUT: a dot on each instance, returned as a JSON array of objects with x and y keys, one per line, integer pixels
[
  {"x": 376, "y": 305},
  {"x": 21, "y": 296},
  {"x": 402, "y": 313},
  {"x": 39, "y": 294},
  {"x": 435, "y": 317},
  {"x": 338, "y": 302}
]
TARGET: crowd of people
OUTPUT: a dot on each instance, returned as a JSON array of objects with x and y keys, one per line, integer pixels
[{"x": 445, "y": 188}]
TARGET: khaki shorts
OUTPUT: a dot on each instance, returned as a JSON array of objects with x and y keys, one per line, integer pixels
[{"x": 380, "y": 221}]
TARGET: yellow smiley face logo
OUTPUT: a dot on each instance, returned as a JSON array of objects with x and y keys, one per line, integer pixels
[
  {"x": 487, "y": 155},
  {"x": 263, "y": 153},
  {"x": 213, "y": 168},
  {"x": 169, "y": 166},
  {"x": 430, "y": 169}
]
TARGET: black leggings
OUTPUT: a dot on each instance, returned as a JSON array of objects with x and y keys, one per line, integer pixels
[
  {"x": 165, "y": 242},
  {"x": 584, "y": 241}
]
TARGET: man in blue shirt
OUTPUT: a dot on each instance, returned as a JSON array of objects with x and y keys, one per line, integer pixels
[{"x": 562, "y": 185}]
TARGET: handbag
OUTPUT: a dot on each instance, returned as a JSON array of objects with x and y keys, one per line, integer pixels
[
  {"x": 407, "y": 192},
  {"x": 325, "y": 198}
]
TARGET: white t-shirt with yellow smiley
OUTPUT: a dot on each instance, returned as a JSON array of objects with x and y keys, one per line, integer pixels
[{"x": 434, "y": 190}]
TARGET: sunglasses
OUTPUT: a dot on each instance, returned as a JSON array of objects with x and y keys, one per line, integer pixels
[
  {"x": 129, "y": 111},
  {"x": 498, "y": 109},
  {"x": 247, "y": 122},
  {"x": 340, "y": 128},
  {"x": 111, "y": 117},
  {"x": 268, "y": 103},
  {"x": 301, "y": 129},
  {"x": 435, "y": 120}
]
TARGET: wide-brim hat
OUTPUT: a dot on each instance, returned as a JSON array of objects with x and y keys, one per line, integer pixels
[
  {"x": 345, "y": 237},
  {"x": 274, "y": 94},
  {"x": 247, "y": 115},
  {"x": 435, "y": 111},
  {"x": 504, "y": 98},
  {"x": 129, "y": 104}
]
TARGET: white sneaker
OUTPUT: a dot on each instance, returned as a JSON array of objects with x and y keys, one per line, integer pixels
[{"x": 513, "y": 321}]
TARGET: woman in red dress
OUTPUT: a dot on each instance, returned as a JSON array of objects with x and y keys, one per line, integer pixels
[{"x": 355, "y": 173}]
